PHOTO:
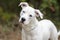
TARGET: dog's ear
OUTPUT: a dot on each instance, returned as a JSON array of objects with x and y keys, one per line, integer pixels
[
  {"x": 38, "y": 13},
  {"x": 23, "y": 4}
]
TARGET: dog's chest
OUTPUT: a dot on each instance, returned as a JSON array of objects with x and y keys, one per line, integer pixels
[{"x": 34, "y": 34}]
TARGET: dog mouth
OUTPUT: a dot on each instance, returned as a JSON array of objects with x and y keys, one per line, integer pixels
[{"x": 22, "y": 22}]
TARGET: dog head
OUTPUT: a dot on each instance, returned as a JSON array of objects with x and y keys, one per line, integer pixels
[{"x": 29, "y": 14}]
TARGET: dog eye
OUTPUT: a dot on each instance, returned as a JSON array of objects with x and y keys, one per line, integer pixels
[
  {"x": 30, "y": 15},
  {"x": 23, "y": 11}
]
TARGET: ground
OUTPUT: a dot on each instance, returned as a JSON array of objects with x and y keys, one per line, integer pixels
[{"x": 11, "y": 35}]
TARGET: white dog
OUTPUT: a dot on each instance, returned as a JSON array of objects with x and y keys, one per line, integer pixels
[{"x": 32, "y": 29}]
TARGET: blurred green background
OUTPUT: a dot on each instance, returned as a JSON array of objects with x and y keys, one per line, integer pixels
[{"x": 9, "y": 14}]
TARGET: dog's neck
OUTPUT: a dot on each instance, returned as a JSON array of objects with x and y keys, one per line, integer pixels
[{"x": 31, "y": 26}]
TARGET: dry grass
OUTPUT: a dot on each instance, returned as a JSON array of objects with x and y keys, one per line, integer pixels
[{"x": 12, "y": 35}]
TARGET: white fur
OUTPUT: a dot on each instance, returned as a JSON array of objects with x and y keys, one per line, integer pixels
[{"x": 32, "y": 29}]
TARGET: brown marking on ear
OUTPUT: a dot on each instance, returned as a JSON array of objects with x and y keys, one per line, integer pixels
[
  {"x": 37, "y": 13},
  {"x": 23, "y": 5}
]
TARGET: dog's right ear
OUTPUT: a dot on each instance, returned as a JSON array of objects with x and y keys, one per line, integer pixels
[
  {"x": 23, "y": 4},
  {"x": 38, "y": 13}
]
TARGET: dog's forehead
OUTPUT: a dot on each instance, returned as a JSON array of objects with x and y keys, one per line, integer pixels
[{"x": 28, "y": 10}]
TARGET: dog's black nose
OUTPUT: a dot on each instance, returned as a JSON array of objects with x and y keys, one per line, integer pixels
[{"x": 23, "y": 19}]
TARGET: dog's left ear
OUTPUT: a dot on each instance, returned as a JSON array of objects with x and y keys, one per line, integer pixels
[
  {"x": 23, "y": 4},
  {"x": 38, "y": 13}
]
